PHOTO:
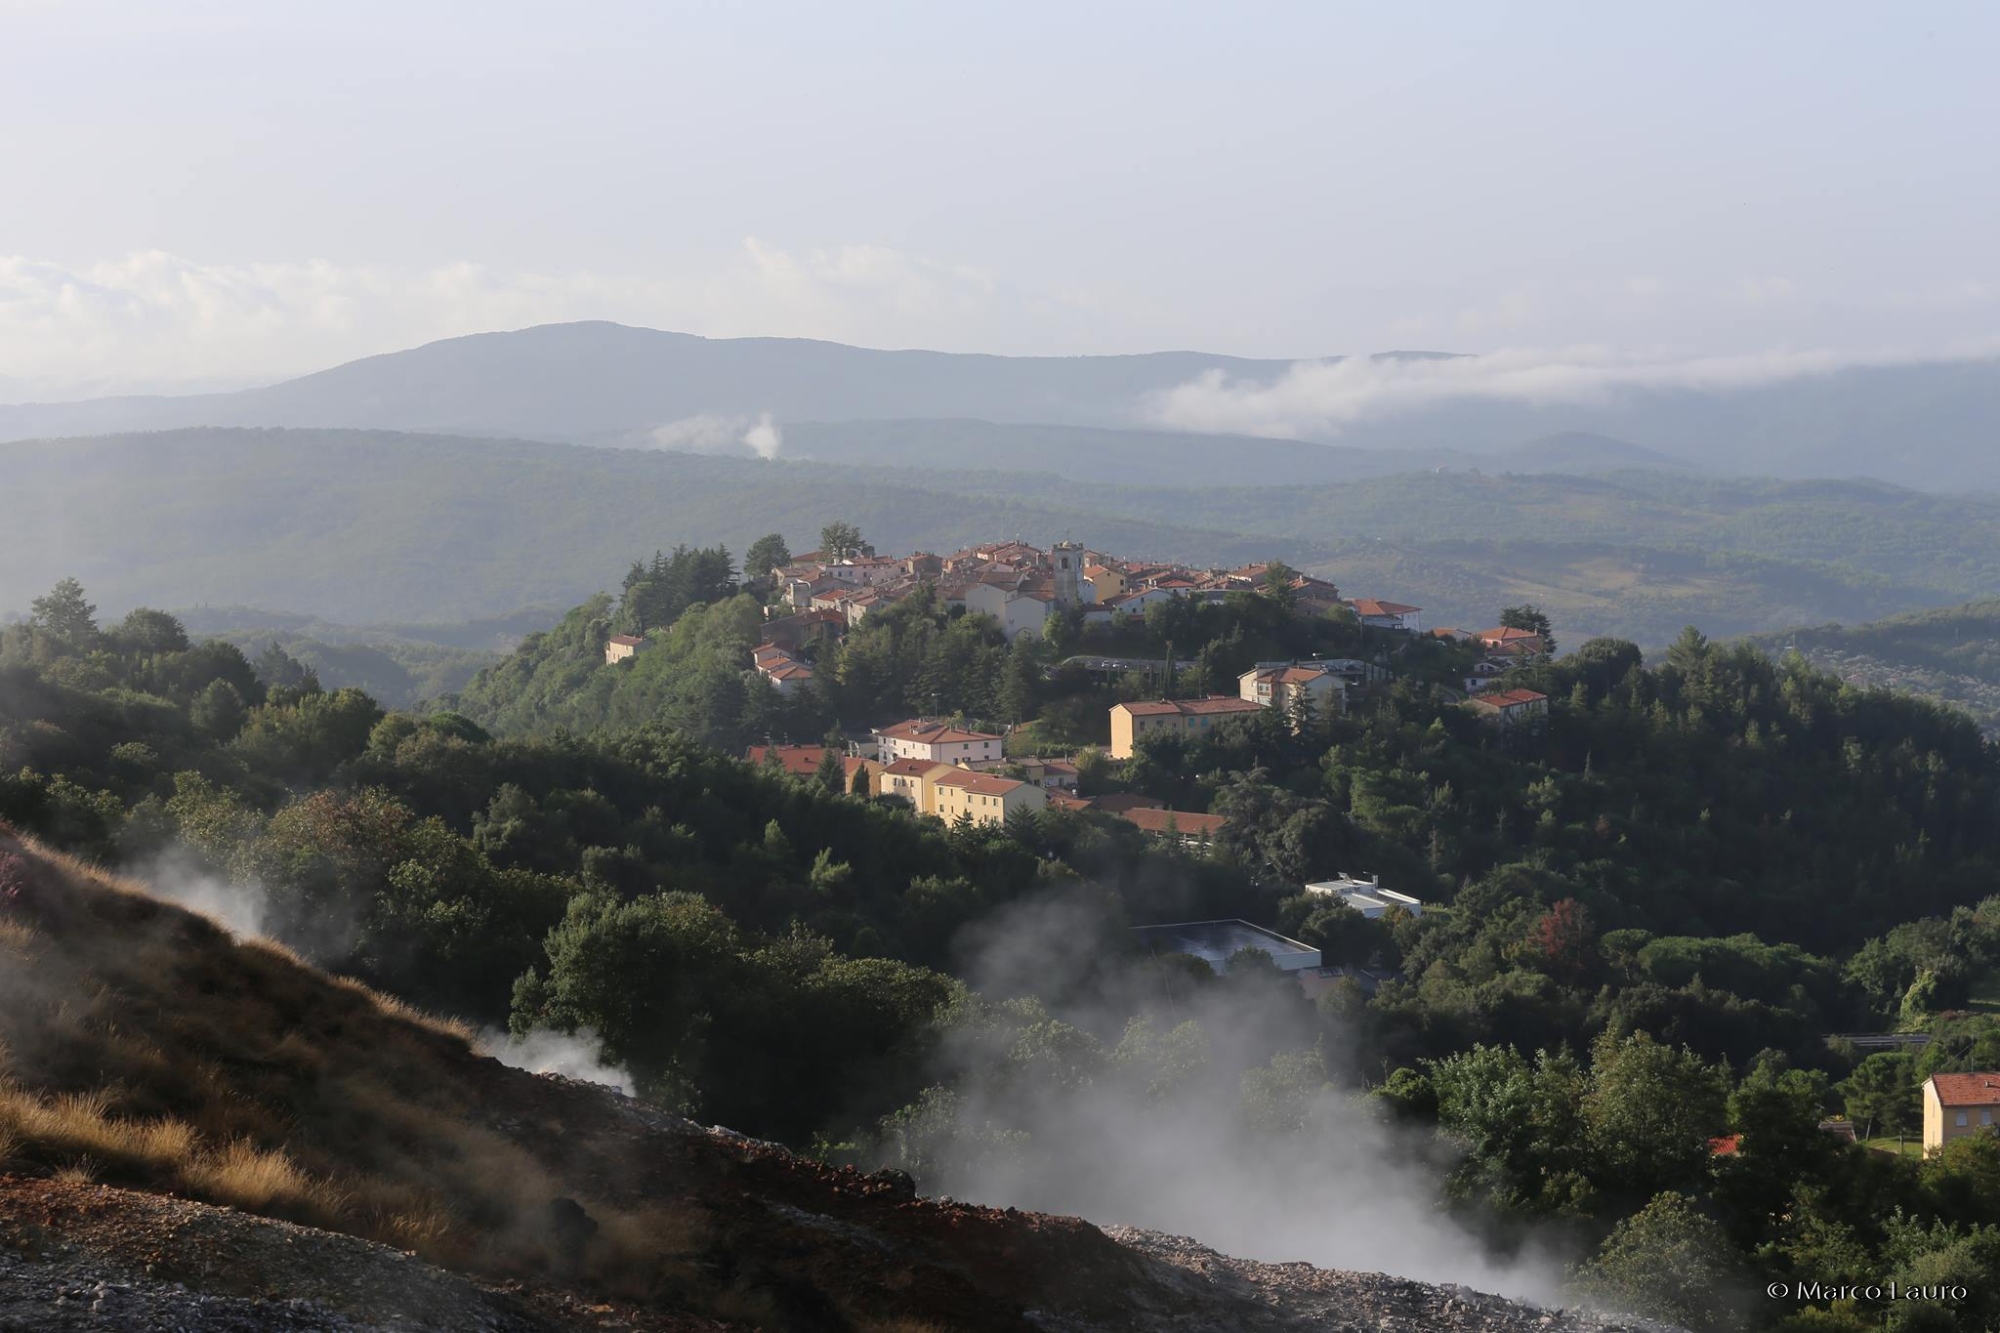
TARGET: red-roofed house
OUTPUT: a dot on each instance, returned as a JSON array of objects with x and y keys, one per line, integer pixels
[
  {"x": 1133, "y": 722},
  {"x": 1509, "y": 708},
  {"x": 621, "y": 646},
  {"x": 1956, "y": 1105},
  {"x": 1378, "y": 614},
  {"x": 984, "y": 798},
  {"x": 1186, "y": 826},
  {"x": 939, "y": 742},
  {"x": 1281, "y": 684},
  {"x": 1506, "y": 639}
]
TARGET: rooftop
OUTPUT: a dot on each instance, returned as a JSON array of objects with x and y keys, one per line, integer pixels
[
  {"x": 1214, "y": 941},
  {"x": 1967, "y": 1089}
]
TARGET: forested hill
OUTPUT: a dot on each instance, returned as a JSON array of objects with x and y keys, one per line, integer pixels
[
  {"x": 1642, "y": 919},
  {"x": 1951, "y": 654},
  {"x": 369, "y": 527}
]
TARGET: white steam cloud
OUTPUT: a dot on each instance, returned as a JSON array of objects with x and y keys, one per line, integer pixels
[
  {"x": 1194, "y": 1128},
  {"x": 1318, "y": 398},
  {"x": 242, "y": 909},
  {"x": 715, "y": 434},
  {"x": 547, "y": 1052}
]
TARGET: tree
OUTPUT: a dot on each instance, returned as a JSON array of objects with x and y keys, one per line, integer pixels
[
  {"x": 1278, "y": 578},
  {"x": 65, "y": 615},
  {"x": 767, "y": 553},
  {"x": 1021, "y": 683},
  {"x": 832, "y": 771},
  {"x": 1668, "y": 1262},
  {"x": 218, "y": 712},
  {"x": 148, "y": 631},
  {"x": 1650, "y": 1111},
  {"x": 1532, "y": 619},
  {"x": 859, "y": 785},
  {"x": 1881, "y": 1094},
  {"x": 840, "y": 540}
]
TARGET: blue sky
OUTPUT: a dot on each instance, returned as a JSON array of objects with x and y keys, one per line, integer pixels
[{"x": 230, "y": 190}]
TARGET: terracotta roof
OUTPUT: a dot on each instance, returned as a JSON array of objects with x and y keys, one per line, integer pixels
[
  {"x": 1502, "y": 633},
  {"x": 801, "y": 761},
  {"x": 1509, "y": 698},
  {"x": 981, "y": 784},
  {"x": 1967, "y": 1089},
  {"x": 911, "y": 767},
  {"x": 628, "y": 640},
  {"x": 1726, "y": 1146},
  {"x": 786, "y": 670},
  {"x": 1374, "y": 606},
  {"x": 931, "y": 733},
  {"x": 1214, "y": 703},
  {"x": 1183, "y": 822},
  {"x": 1062, "y": 800}
]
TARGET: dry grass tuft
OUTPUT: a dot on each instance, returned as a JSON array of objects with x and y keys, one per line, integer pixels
[
  {"x": 82, "y": 1171},
  {"x": 16, "y": 936},
  {"x": 258, "y": 1180}
]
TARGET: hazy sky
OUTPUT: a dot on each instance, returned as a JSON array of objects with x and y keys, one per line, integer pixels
[{"x": 229, "y": 190}]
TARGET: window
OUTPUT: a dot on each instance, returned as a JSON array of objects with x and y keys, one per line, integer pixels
[{"x": 1961, "y": 1120}]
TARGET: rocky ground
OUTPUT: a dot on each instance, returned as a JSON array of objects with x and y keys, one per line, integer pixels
[{"x": 76, "y": 1256}]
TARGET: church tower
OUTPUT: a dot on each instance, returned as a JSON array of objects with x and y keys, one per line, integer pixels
[{"x": 1067, "y": 558}]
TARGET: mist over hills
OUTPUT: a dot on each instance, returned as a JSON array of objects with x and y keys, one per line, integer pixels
[
  {"x": 1928, "y": 425},
  {"x": 378, "y": 528}
]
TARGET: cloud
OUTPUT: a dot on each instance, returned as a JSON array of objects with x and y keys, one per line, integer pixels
[
  {"x": 1318, "y": 398},
  {"x": 715, "y": 434},
  {"x": 151, "y": 320}
]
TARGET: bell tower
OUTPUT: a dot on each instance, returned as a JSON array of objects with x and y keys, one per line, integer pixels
[{"x": 1067, "y": 559}]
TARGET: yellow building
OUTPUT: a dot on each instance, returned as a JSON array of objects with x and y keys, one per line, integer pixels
[
  {"x": 985, "y": 798},
  {"x": 1102, "y": 583},
  {"x": 1132, "y": 723},
  {"x": 1956, "y": 1105}
]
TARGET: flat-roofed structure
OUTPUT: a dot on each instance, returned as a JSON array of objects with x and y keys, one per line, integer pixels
[
  {"x": 1214, "y": 941},
  {"x": 1367, "y": 896}
]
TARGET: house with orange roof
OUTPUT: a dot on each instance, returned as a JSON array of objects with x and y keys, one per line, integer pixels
[
  {"x": 938, "y": 742},
  {"x": 1510, "y": 708},
  {"x": 621, "y": 647},
  {"x": 1187, "y": 826},
  {"x": 1282, "y": 685},
  {"x": 1956, "y": 1105},
  {"x": 1514, "y": 642},
  {"x": 983, "y": 798},
  {"x": 1378, "y": 614},
  {"x": 1134, "y": 722}
]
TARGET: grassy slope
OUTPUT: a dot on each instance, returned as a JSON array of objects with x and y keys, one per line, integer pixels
[{"x": 141, "y": 1044}]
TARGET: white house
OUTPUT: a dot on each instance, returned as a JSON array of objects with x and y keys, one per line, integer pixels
[
  {"x": 1018, "y": 612},
  {"x": 936, "y": 742},
  {"x": 1280, "y": 684},
  {"x": 1367, "y": 896},
  {"x": 1378, "y": 614}
]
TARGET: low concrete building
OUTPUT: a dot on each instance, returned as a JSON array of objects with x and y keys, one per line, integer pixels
[
  {"x": 1215, "y": 941},
  {"x": 1367, "y": 896},
  {"x": 1185, "y": 826},
  {"x": 1956, "y": 1105}
]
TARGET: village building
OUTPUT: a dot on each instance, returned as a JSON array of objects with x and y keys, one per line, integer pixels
[
  {"x": 1510, "y": 708},
  {"x": 984, "y": 798},
  {"x": 1133, "y": 722},
  {"x": 1956, "y": 1105},
  {"x": 620, "y": 647},
  {"x": 1367, "y": 896},
  {"x": 1186, "y": 826},
  {"x": 1378, "y": 614},
  {"x": 938, "y": 742},
  {"x": 1282, "y": 685}
]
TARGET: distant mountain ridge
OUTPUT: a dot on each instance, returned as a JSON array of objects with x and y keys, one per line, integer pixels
[{"x": 1928, "y": 425}]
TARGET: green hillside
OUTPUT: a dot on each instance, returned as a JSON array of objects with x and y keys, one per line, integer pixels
[{"x": 1951, "y": 654}]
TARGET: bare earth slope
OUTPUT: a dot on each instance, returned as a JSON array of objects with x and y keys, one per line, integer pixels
[{"x": 276, "y": 1148}]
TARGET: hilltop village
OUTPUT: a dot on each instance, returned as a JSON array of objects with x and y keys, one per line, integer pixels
[{"x": 1106, "y": 611}]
